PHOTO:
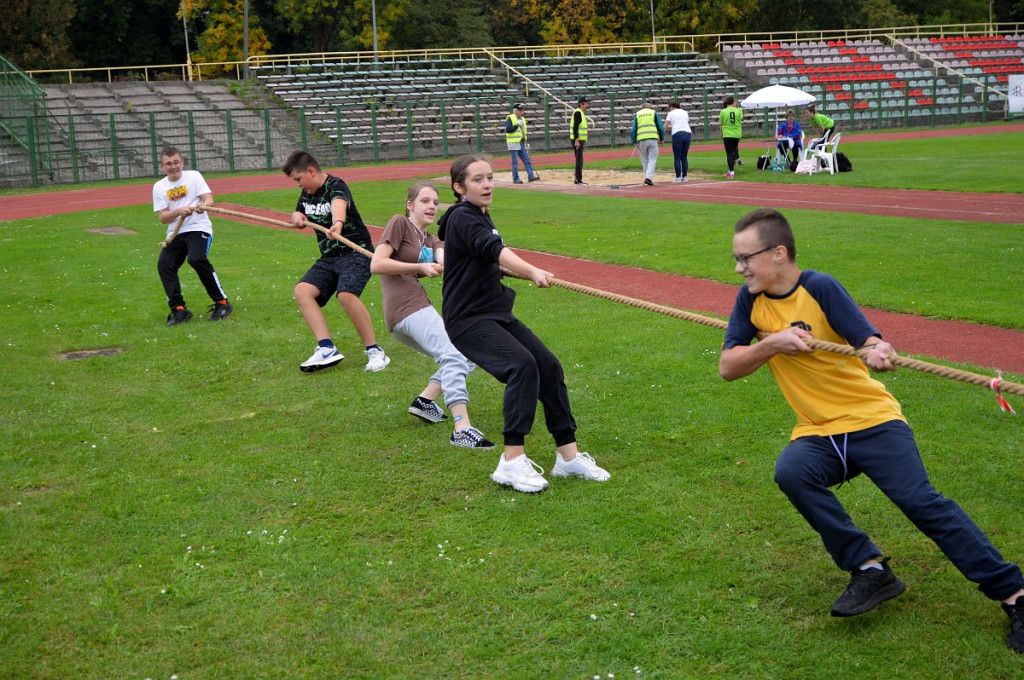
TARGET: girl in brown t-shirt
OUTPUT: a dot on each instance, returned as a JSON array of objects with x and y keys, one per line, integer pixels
[{"x": 406, "y": 252}]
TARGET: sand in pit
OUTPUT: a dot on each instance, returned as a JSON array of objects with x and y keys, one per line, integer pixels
[{"x": 602, "y": 178}]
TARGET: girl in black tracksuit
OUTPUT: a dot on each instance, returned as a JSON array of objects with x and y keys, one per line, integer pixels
[{"x": 477, "y": 312}]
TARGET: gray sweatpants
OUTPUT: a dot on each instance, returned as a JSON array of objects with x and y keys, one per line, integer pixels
[
  {"x": 424, "y": 332},
  {"x": 648, "y": 151}
]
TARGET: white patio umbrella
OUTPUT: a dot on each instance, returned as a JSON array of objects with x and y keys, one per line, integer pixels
[{"x": 777, "y": 96}]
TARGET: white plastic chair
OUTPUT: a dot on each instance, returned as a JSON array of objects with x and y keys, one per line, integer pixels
[{"x": 825, "y": 153}]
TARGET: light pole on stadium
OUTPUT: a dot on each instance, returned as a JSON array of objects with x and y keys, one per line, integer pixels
[
  {"x": 245, "y": 38},
  {"x": 373, "y": 11},
  {"x": 188, "y": 55},
  {"x": 654, "y": 42}
]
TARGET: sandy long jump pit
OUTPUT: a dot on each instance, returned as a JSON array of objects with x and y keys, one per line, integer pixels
[{"x": 609, "y": 179}]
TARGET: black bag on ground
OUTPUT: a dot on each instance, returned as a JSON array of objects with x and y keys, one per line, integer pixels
[
  {"x": 843, "y": 163},
  {"x": 764, "y": 162}
]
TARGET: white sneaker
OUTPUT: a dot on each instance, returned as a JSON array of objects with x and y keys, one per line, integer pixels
[
  {"x": 323, "y": 357},
  {"x": 376, "y": 360},
  {"x": 583, "y": 466},
  {"x": 521, "y": 473}
]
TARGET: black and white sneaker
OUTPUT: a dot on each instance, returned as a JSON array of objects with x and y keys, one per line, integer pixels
[
  {"x": 427, "y": 410},
  {"x": 323, "y": 357},
  {"x": 179, "y": 315},
  {"x": 471, "y": 438},
  {"x": 868, "y": 588}
]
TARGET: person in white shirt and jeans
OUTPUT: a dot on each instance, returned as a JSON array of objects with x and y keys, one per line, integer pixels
[{"x": 678, "y": 123}]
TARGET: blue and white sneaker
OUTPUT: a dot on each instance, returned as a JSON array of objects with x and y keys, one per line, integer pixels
[{"x": 323, "y": 357}]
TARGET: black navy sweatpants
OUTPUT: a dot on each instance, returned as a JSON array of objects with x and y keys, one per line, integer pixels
[{"x": 530, "y": 372}]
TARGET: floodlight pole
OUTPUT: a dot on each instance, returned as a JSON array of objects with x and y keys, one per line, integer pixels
[
  {"x": 188, "y": 53},
  {"x": 245, "y": 37},
  {"x": 373, "y": 11},
  {"x": 653, "y": 40}
]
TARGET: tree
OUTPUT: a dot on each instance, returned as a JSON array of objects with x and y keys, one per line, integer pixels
[
  {"x": 879, "y": 14},
  {"x": 34, "y": 33},
  {"x": 440, "y": 23},
  {"x": 575, "y": 22},
  {"x": 316, "y": 22},
  {"x": 683, "y": 17},
  {"x": 223, "y": 36},
  {"x": 117, "y": 33},
  {"x": 515, "y": 22}
]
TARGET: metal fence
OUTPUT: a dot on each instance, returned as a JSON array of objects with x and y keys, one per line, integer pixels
[{"x": 114, "y": 146}]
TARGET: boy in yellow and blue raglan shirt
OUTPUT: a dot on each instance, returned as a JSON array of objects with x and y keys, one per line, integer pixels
[
  {"x": 326, "y": 201},
  {"x": 847, "y": 422}
]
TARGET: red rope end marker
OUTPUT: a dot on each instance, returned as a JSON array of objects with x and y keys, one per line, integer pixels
[{"x": 1000, "y": 399}]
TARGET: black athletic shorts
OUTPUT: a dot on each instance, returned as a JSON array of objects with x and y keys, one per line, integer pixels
[{"x": 347, "y": 273}]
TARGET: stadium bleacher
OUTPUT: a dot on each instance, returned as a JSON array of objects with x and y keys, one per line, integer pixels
[{"x": 864, "y": 79}]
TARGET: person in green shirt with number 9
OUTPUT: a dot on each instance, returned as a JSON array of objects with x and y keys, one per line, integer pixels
[{"x": 731, "y": 120}]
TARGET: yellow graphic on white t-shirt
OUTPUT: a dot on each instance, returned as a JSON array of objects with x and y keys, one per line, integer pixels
[{"x": 175, "y": 193}]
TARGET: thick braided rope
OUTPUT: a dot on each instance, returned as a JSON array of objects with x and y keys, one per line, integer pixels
[
  {"x": 913, "y": 364},
  {"x": 288, "y": 225}
]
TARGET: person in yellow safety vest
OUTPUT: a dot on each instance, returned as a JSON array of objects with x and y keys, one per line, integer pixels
[
  {"x": 518, "y": 146},
  {"x": 578, "y": 135},
  {"x": 646, "y": 134}
]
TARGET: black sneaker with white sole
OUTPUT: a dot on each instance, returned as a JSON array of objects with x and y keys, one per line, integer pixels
[
  {"x": 868, "y": 588},
  {"x": 427, "y": 410},
  {"x": 471, "y": 438},
  {"x": 1015, "y": 639}
]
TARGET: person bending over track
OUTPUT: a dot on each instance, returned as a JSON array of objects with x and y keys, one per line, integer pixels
[
  {"x": 477, "y": 311},
  {"x": 847, "y": 422},
  {"x": 408, "y": 250},
  {"x": 327, "y": 201},
  {"x": 182, "y": 196}
]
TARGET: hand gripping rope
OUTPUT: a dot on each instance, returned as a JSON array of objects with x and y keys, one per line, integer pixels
[
  {"x": 181, "y": 220},
  {"x": 997, "y": 384},
  {"x": 288, "y": 225}
]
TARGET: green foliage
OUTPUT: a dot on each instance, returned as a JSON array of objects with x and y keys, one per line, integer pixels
[
  {"x": 316, "y": 20},
  {"x": 224, "y": 36},
  {"x": 439, "y": 23},
  {"x": 35, "y": 34}
]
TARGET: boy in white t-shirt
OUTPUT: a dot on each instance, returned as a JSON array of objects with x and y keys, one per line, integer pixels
[{"x": 185, "y": 194}]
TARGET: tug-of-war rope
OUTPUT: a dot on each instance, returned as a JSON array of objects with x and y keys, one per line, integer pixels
[{"x": 997, "y": 384}]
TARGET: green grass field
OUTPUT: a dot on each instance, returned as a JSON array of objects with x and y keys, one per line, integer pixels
[{"x": 195, "y": 506}]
